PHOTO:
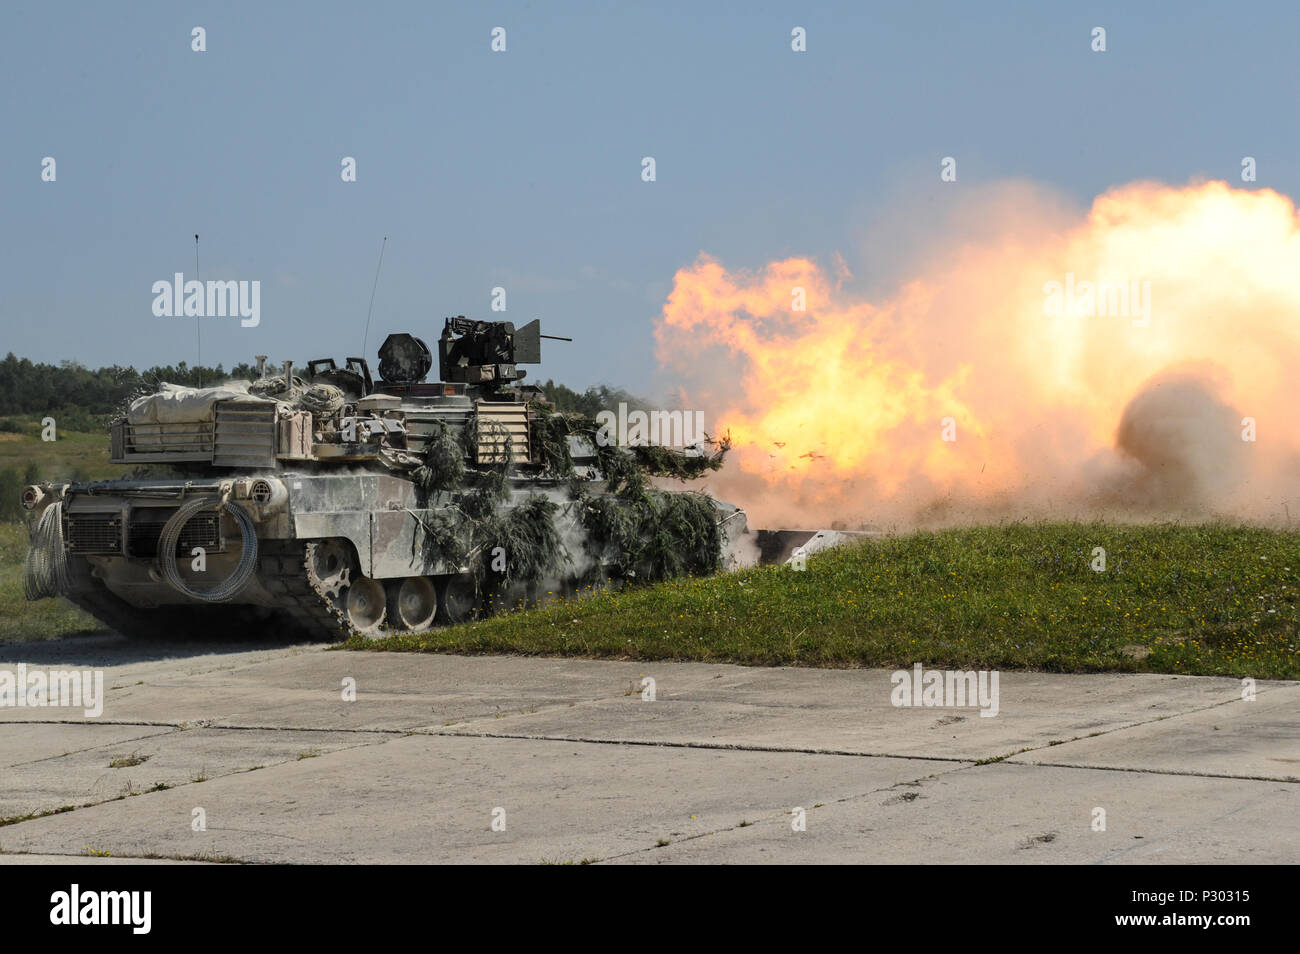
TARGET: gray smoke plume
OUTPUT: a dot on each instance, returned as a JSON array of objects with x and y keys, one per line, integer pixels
[{"x": 1182, "y": 444}]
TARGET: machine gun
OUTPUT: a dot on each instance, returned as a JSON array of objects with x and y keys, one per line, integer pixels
[{"x": 486, "y": 352}]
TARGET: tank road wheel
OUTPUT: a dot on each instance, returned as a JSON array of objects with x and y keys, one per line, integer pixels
[
  {"x": 364, "y": 606},
  {"x": 412, "y": 604},
  {"x": 330, "y": 565},
  {"x": 457, "y": 599}
]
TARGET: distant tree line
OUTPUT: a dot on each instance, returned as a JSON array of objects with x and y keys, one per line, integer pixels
[
  {"x": 600, "y": 397},
  {"x": 27, "y": 387}
]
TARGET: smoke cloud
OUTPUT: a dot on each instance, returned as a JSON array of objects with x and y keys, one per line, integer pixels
[{"x": 1134, "y": 361}]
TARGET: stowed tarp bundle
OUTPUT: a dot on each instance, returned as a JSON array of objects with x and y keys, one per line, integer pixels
[
  {"x": 183, "y": 422},
  {"x": 175, "y": 404}
]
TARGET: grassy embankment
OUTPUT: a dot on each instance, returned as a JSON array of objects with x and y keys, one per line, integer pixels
[{"x": 1204, "y": 600}]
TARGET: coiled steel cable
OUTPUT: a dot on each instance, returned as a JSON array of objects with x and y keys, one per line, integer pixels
[
  {"x": 170, "y": 536},
  {"x": 45, "y": 572}
]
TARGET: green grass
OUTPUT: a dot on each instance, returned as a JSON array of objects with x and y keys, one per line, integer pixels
[
  {"x": 25, "y": 458},
  {"x": 128, "y": 761},
  {"x": 75, "y": 455},
  {"x": 1202, "y": 600},
  {"x": 21, "y": 621}
]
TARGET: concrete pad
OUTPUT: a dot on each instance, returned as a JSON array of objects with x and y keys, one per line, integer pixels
[
  {"x": 1014, "y": 814},
  {"x": 849, "y": 711},
  {"x": 429, "y": 799},
  {"x": 21, "y": 743},
  {"x": 394, "y": 691},
  {"x": 1259, "y": 739},
  {"x": 172, "y": 758},
  {"x": 837, "y": 711},
  {"x": 85, "y": 860},
  {"x": 183, "y": 704},
  {"x": 131, "y": 659},
  {"x": 411, "y": 770}
]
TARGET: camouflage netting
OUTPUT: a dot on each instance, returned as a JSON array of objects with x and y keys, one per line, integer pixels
[
  {"x": 618, "y": 464},
  {"x": 276, "y": 387},
  {"x": 638, "y": 530},
  {"x": 476, "y": 522},
  {"x": 443, "y": 464},
  {"x": 645, "y": 532}
]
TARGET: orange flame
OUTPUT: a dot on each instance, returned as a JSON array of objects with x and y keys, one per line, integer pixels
[{"x": 840, "y": 411}]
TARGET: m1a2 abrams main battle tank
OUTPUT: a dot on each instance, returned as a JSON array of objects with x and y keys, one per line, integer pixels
[{"x": 332, "y": 503}]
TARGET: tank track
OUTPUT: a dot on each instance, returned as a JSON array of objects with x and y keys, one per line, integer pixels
[
  {"x": 304, "y": 606},
  {"x": 286, "y": 573},
  {"x": 168, "y": 623},
  {"x": 283, "y": 572}
]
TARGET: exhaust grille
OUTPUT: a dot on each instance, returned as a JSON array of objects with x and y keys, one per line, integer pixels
[
  {"x": 202, "y": 530},
  {"x": 94, "y": 533},
  {"x": 102, "y": 532}
]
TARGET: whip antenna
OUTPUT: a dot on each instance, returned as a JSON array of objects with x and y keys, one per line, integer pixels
[
  {"x": 198, "y": 319},
  {"x": 369, "y": 310}
]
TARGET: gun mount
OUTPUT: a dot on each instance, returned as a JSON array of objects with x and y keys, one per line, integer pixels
[{"x": 487, "y": 352}]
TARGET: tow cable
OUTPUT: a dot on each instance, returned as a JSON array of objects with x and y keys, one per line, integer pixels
[{"x": 170, "y": 537}]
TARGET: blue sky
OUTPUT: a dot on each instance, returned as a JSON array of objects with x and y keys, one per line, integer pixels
[{"x": 522, "y": 169}]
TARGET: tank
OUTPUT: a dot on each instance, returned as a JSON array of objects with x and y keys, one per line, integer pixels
[{"x": 330, "y": 503}]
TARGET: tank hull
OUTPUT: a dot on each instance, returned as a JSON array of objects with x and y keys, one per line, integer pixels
[{"x": 320, "y": 543}]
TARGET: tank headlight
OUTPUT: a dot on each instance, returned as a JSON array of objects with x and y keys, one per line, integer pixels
[
  {"x": 32, "y": 497},
  {"x": 261, "y": 492},
  {"x": 267, "y": 494}
]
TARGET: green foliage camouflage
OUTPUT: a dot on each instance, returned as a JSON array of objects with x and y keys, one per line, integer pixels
[
  {"x": 443, "y": 465},
  {"x": 529, "y": 536},
  {"x": 642, "y": 532},
  {"x": 471, "y": 520},
  {"x": 653, "y": 534},
  {"x": 647, "y": 533},
  {"x": 621, "y": 466}
]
